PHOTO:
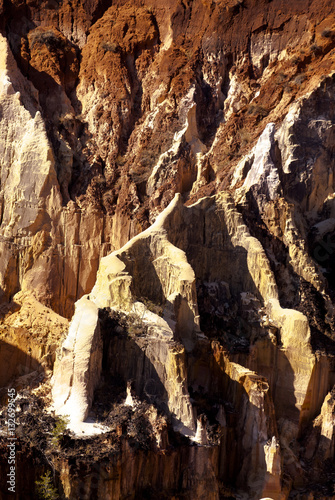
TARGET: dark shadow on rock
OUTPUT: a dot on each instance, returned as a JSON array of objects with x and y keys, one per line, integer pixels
[
  {"x": 312, "y": 143},
  {"x": 294, "y": 291},
  {"x": 203, "y": 235},
  {"x": 186, "y": 327},
  {"x": 239, "y": 439},
  {"x": 9, "y": 265},
  {"x": 50, "y": 94},
  {"x": 222, "y": 275},
  {"x": 126, "y": 358},
  {"x": 139, "y": 265},
  {"x": 7, "y": 307},
  {"x": 15, "y": 363},
  {"x": 221, "y": 270},
  {"x": 147, "y": 286},
  {"x": 321, "y": 382},
  {"x": 221, "y": 316},
  {"x": 276, "y": 251},
  {"x": 281, "y": 377}
]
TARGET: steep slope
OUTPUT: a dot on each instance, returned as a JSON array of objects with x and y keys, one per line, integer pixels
[
  {"x": 139, "y": 103},
  {"x": 167, "y": 180}
]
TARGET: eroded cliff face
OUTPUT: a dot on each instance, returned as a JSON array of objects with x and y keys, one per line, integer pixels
[{"x": 167, "y": 181}]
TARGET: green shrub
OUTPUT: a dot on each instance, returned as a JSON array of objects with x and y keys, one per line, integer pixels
[
  {"x": 45, "y": 489},
  {"x": 155, "y": 308},
  {"x": 136, "y": 325},
  {"x": 59, "y": 429}
]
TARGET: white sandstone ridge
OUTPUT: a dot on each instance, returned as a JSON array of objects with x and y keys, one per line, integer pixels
[
  {"x": 77, "y": 370},
  {"x": 269, "y": 170},
  {"x": 272, "y": 168},
  {"x": 293, "y": 325},
  {"x": 29, "y": 195},
  {"x": 40, "y": 240},
  {"x": 151, "y": 267},
  {"x": 26, "y": 158},
  {"x": 263, "y": 173},
  {"x": 276, "y": 166},
  {"x": 227, "y": 252},
  {"x": 208, "y": 240},
  {"x": 148, "y": 266}
]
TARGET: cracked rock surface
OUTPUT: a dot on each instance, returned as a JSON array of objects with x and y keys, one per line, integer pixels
[{"x": 167, "y": 277}]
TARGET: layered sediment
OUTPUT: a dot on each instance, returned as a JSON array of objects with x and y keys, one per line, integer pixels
[{"x": 166, "y": 246}]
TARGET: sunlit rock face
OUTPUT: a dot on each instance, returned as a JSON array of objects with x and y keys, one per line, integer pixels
[
  {"x": 167, "y": 225},
  {"x": 81, "y": 358}
]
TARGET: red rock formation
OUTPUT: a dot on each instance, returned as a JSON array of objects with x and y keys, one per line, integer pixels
[{"x": 108, "y": 110}]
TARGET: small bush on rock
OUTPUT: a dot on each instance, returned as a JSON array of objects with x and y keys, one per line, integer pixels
[
  {"x": 257, "y": 110},
  {"x": 45, "y": 489},
  {"x": 59, "y": 429},
  {"x": 109, "y": 46},
  {"x": 47, "y": 38}
]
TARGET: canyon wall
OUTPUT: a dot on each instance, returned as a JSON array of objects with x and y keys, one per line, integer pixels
[{"x": 166, "y": 245}]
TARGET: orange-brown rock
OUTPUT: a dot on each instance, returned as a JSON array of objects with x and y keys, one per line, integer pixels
[{"x": 167, "y": 181}]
